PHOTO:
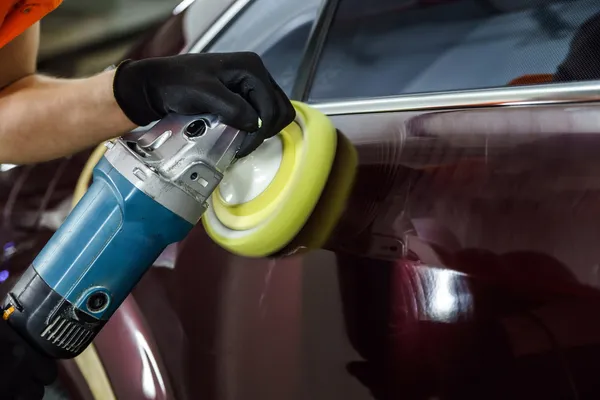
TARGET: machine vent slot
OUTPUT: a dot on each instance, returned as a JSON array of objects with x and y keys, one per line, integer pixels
[{"x": 68, "y": 334}]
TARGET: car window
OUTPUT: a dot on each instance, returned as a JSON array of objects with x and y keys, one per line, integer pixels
[
  {"x": 275, "y": 29},
  {"x": 391, "y": 47}
]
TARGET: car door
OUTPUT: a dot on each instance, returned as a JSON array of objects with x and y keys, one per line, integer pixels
[{"x": 465, "y": 262}]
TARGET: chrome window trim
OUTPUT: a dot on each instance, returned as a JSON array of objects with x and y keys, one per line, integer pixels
[
  {"x": 510, "y": 96},
  {"x": 558, "y": 93},
  {"x": 220, "y": 24}
]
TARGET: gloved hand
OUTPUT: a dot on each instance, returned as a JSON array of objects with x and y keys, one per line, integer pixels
[
  {"x": 235, "y": 86},
  {"x": 23, "y": 371}
]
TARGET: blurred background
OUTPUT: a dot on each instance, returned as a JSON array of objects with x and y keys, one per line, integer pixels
[{"x": 83, "y": 37}]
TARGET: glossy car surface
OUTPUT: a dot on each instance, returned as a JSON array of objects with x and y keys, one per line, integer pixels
[{"x": 466, "y": 262}]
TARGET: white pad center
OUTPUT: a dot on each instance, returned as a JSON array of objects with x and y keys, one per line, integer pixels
[{"x": 250, "y": 176}]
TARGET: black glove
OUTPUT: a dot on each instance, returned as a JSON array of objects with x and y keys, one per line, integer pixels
[
  {"x": 24, "y": 372},
  {"x": 235, "y": 86}
]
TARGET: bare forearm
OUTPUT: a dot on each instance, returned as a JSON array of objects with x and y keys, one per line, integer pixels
[{"x": 45, "y": 118}]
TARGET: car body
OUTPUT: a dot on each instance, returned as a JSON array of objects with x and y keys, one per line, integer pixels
[{"x": 466, "y": 261}]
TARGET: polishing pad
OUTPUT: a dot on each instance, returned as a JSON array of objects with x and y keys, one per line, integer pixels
[{"x": 266, "y": 198}]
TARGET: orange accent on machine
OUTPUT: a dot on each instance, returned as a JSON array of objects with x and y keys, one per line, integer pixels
[
  {"x": 18, "y": 15},
  {"x": 8, "y": 312}
]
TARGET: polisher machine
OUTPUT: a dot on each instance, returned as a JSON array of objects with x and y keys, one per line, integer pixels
[{"x": 150, "y": 188}]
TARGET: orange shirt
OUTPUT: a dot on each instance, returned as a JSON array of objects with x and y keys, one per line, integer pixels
[{"x": 18, "y": 15}]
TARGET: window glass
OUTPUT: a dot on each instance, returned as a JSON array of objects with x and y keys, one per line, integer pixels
[
  {"x": 390, "y": 47},
  {"x": 275, "y": 29}
]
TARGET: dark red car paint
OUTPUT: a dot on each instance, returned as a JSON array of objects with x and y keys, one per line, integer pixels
[{"x": 490, "y": 291}]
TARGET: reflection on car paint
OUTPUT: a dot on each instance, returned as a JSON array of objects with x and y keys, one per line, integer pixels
[
  {"x": 496, "y": 210},
  {"x": 131, "y": 358}
]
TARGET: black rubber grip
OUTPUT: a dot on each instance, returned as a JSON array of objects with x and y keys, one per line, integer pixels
[{"x": 46, "y": 320}]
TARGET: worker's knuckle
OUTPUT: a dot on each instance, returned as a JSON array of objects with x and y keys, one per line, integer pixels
[{"x": 251, "y": 58}]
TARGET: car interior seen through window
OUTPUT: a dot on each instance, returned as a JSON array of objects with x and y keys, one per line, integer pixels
[
  {"x": 392, "y": 47},
  {"x": 275, "y": 29}
]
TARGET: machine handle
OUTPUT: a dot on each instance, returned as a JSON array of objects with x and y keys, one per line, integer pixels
[{"x": 91, "y": 264}]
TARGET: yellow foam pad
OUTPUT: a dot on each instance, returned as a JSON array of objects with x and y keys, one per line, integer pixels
[
  {"x": 267, "y": 223},
  {"x": 333, "y": 202}
]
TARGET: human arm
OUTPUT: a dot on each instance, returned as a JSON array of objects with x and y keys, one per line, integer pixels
[{"x": 43, "y": 118}]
